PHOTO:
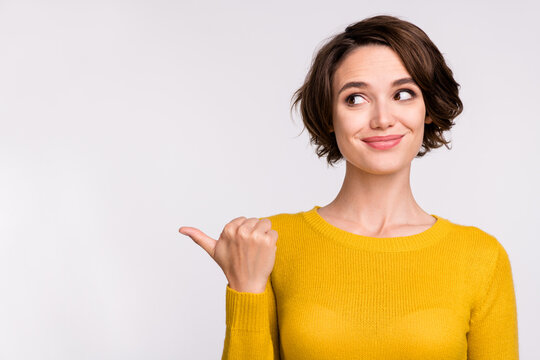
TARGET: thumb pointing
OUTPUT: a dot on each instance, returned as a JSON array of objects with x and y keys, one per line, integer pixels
[{"x": 200, "y": 238}]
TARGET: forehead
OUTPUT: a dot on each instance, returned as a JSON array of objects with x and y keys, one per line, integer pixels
[{"x": 374, "y": 64}]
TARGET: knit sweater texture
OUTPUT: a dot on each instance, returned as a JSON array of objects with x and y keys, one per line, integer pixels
[{"x": 445, "y": 293}]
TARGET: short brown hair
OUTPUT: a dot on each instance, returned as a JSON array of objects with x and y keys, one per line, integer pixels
[{"x": 421, "y": 58}]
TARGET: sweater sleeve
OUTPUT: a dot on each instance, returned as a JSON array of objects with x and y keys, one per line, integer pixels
[
  {"x": 493, "y": 332},
  {"x": 251, "y": 325}
]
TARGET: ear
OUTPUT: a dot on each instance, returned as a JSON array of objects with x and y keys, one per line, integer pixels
[{"x": 428, "y": 120}]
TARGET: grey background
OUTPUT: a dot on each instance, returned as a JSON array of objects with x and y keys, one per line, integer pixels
[{"x": 123, "y": 120}]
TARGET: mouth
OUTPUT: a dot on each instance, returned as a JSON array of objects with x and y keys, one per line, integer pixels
[{"x": 383, "y": 142}]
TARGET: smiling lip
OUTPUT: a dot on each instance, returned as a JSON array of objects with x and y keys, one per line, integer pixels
[
  {"x": 383, "y": 142},
  {"x": 382, "y": 138}
]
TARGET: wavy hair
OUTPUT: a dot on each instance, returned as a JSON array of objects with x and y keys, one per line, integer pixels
[{"x": 421, "y": 58}]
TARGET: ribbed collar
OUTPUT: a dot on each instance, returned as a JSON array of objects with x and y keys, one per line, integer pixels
[{"x": 387, "y": 244}]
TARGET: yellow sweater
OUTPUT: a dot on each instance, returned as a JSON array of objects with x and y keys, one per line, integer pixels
[{"x": 445, "y": 293}]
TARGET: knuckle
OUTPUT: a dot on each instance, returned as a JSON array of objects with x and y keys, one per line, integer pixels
[
  {"x": 243, "y": 231},
  {"x": 259, "y": 237},
  {"x": 237, "y": 220},
  {"x": 228, "y": 230}
]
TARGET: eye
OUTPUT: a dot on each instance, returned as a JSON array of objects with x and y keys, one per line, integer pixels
[
  {"x": 407, "y": 91},
  {"x": 351, "y": 97},
  {"x": 350, "y": 100}
]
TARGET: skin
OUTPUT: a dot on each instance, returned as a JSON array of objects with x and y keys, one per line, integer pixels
[{"x": 376, "y": 197}]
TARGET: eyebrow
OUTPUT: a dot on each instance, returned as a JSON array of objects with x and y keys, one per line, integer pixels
[{"x": 361, "y": 84}]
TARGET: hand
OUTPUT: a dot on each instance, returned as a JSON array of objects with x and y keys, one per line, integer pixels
[{"x": 245, "y": 251}]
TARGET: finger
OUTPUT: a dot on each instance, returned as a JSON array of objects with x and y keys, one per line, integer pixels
[
  {"x": 250, "y": 223},
  {"x": 239, "y": 220},
  {"x": 263, "y": 225},
  {"x": 200, "y": 238},
  {"x": 242, "y": 221}
]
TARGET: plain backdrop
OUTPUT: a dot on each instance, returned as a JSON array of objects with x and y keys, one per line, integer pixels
[{"x": 121, "y": 121}]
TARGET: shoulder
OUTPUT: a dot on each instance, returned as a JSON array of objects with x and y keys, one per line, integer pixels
[
  {"x": 283, "y": 220},
  {"x": 290, "y": 226},
  {"x": 475, "y": 236},
  {"x": 478, "y": 247},
  {"x": 480, "y": 258}
]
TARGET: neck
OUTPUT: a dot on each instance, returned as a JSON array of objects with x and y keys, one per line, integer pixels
[{"x": 383, "y": 199}]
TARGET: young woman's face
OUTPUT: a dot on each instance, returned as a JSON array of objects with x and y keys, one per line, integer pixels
[{"x": 367, "y": 103}]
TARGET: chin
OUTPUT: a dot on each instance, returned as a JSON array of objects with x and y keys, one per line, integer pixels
[
  {"x": 383, "y": 171},
  {"x": 382, "y": 167}
]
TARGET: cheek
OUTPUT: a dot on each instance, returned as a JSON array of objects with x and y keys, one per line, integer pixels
[
  {"x": 349, "y": 122},
  {"x": 414, "y": 119}
]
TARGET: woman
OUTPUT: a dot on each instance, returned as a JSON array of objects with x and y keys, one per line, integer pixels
[{"x": 370, "y": 275}]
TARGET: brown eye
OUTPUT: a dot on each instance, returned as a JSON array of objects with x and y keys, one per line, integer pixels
[
  {"x": 350, "y": 99},
  {"x": 409, "y": 92}
]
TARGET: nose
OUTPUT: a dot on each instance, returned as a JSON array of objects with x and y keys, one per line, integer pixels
[{"x": 382, "y": 115}]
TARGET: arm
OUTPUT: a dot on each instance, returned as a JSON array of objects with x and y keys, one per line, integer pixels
[
  {"x": 251, "y": 325},
  {"x": 493, "y": 332}
]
